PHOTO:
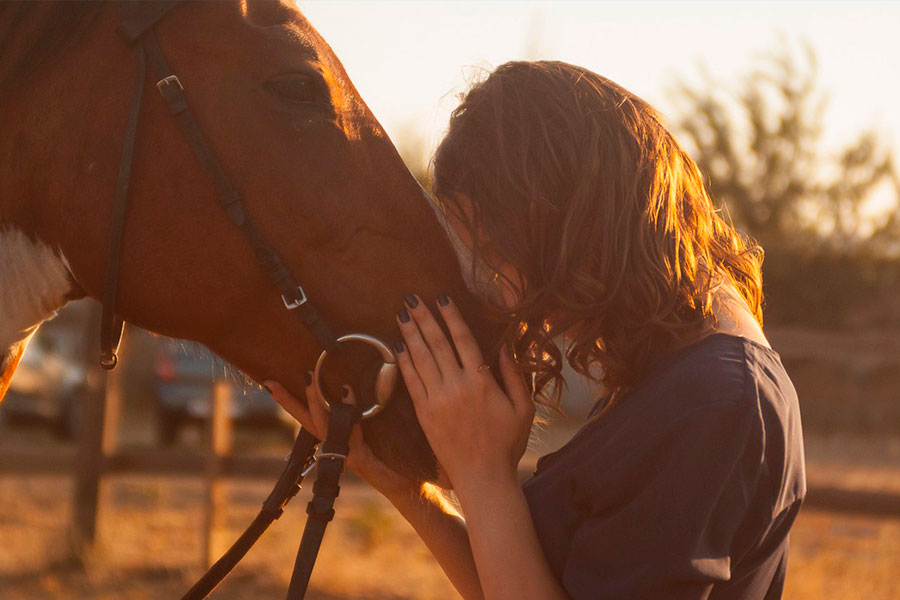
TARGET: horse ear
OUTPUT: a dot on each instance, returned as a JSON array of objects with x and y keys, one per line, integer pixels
[{"x": 8, "y": 363}]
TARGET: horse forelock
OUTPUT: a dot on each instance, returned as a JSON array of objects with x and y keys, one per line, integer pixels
[{"x": 34, "y": 33}]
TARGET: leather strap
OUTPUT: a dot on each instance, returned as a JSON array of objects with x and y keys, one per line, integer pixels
[
  {"x": 136, "y": 27},
  {"x": 111, "y": 326},
  {"x": 320, "y": 509},
  {"x": 172, "y": 91},
  {"x": 136, "y": 18}
]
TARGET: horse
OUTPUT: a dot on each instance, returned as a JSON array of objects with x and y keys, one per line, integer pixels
[{"x": 315, "y": 169}]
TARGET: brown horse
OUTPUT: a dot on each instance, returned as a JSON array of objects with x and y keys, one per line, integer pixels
[{"x": 316, "y": 171}]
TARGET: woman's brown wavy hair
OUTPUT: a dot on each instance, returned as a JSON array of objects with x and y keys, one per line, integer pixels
[{"x": 576, "y": 183}]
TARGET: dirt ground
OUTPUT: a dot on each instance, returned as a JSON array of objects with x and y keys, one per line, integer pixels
[{"x": 150, "y": 540}]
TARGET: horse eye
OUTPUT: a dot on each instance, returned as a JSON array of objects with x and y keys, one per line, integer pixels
[{"x": 297, "y": 89}]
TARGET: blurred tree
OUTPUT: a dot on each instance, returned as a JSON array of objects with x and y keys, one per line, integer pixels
[{"x": 760, "y": 148}]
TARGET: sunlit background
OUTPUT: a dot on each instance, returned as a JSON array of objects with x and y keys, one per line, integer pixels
[
  {"x": 410, "y": 60},
  {"x": 816, "y": 84}
]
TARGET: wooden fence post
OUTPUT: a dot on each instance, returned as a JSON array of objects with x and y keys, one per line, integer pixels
[{"x": 219, "y": 447}]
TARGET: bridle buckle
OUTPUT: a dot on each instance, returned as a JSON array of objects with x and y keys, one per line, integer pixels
[
  {"x": 295, "y": 303},
  {"x": 309, "y": 468},
  {"x": 167, "y": 81}
]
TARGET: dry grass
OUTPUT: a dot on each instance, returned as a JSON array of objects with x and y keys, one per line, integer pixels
[
  {"x": 149, "y": 543},
  {"x": 846, "y": 557}
]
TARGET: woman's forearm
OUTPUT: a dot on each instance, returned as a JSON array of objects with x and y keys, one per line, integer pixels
[
  {"x": 494, "y": 552},
  {"x": 441, "y": 528},
  {"x": 504, "y": 543}
]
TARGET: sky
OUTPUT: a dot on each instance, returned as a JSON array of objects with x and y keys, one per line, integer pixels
[{"x": 410, "y": 59}]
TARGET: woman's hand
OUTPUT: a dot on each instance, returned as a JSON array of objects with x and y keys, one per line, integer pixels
[
  {"x": 313, "y": 416},
  {"x": 477, "y": 431}
]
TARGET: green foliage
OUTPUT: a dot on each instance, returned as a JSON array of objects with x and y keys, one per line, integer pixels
[
  {"x": 825, "y": 290},
  {"x": 828, "y": 263},
  {"x": 760, "y": 147}
]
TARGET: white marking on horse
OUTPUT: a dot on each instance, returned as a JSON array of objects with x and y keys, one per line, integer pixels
[{"x": 34, "y": 281}]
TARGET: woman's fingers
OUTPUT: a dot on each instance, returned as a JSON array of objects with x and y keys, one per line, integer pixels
[
  {"x": 418, "y": 351},
  {"x": 317, "y": 408},
  {"x": 433, "y": 335},
  {"x": 411, "y": 378},
  {"x": 466, "y": 346},
  {"x": 516, "y": 387},
  {"x": 294, "y": 406}
]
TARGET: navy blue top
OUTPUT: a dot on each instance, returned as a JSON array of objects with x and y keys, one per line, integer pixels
[{"x": 686, "y": 488}]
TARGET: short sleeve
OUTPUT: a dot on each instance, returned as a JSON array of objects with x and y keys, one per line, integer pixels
[{"x": 661, "y": 522}]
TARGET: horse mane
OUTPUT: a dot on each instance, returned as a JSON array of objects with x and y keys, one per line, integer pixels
[{"x": 53, "y": 27}]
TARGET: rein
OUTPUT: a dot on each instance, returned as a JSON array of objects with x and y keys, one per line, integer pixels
[{"x": 137, "y": 29}]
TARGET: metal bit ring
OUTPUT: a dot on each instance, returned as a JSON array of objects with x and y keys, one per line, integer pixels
[{"x": 386, "y": 381}]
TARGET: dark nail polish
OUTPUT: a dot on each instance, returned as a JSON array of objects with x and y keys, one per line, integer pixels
[
  {"x": 399, "y": 347},
  {"x": 443, "y": 300},
  {"x": 345, "y": 392},
  {"x": 403, "y": 316},
  {"x": 411, "y": 301},
  {"x": 308, "y": 378}
]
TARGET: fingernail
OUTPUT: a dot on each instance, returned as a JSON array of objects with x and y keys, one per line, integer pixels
[
  {"x": 345, "y": 391},
  {"x": 411, "y": 301},
  {"x": 399, "y": 347},
  {"x": 403, "y": 316},
  {"x": 308, "y": 378},
  {"x": 443, "y": 300}
]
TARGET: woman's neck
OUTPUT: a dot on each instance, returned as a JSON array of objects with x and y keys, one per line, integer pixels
[{"x": 731, "y": 315}]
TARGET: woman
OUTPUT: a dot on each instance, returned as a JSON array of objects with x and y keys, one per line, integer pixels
[{"x": 596, "y": 230}]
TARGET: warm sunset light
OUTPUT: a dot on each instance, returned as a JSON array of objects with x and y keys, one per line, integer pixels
[
  {"x": 428, "y": 300},
  {"x": 410, "y": 59}
]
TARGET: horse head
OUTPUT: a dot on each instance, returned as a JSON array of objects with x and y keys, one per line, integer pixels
[{"x": 317, "y": 174}]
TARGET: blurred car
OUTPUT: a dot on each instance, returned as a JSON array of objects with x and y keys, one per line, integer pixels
[
  {"x": 183, "y": 388},
  {"x": 48, "y": 383}
]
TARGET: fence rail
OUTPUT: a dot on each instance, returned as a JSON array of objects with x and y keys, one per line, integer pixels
[
  {"x": 188, "y": 463},
  {"x": 139, "y": 461}
]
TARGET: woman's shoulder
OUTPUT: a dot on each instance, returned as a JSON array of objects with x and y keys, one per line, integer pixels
[
  {"x": 721, "y": 378},
  {"x": 722, "y": 388},
  {"x": 717, "y": 370}
]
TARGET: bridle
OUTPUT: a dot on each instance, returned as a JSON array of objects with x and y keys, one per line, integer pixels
[{"x": 136, "y": 27}]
